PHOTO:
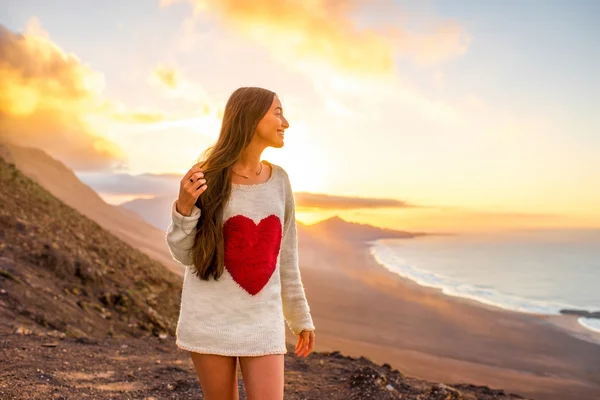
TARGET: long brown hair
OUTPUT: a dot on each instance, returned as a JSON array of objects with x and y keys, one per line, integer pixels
[{"x": 244, "y": 109}]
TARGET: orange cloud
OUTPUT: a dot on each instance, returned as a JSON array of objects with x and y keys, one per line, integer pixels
[
  {"x": 170, "y": 77},
  {"x": 48, "y": 98},
  {"x": 45, "y": 95},
  {"x": 140, "y": 117},
  {"x": 448, "y": 39},
  {"x": 306, "y": 200},
  {"x": 324, "y": 31}
]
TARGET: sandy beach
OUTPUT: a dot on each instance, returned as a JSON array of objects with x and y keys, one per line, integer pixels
[{"x": 361, "y": 308}]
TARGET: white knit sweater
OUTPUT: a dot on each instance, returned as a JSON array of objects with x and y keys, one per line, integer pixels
[{"x": 243, "y": 313}]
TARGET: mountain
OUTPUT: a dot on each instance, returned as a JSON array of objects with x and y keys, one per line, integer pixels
[
  {"x": 85, "y": 315},
  {"x": 355, "y": 232},
  {"x": 156, "y": 212},
  {"x": 62, "y": 183}
]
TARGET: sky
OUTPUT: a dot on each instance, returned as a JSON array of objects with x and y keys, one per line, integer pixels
[{"x": 428, "y": 115}]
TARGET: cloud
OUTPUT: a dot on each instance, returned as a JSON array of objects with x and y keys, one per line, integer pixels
[
  {"x": 133, "y": 185},
  {"x": 158, "y": 185},
  {"x": 172, "y": 81},
  {"x": 140, "y": 117},
  {"x": 448, "y": 39},
  {"x": 323, "y": 202},
  {"x": 170, "y": 77},
  {"x": 120, "y": 112},
  {"x": 325, "y": 32},
  {"x": 51, "y": 100},
  {"x": 45, "y": 95}
]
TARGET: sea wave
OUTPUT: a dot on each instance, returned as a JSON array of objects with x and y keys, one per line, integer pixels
[{"x": 483, "y": 294}]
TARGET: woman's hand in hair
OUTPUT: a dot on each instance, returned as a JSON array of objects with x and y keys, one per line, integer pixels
[{"x": 191, "y": 187}]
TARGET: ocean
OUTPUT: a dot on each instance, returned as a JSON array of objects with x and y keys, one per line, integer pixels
[{"x": 532, "y": 271}]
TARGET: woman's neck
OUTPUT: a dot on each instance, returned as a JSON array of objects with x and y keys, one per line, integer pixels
[{"x": 249, "y": 161}]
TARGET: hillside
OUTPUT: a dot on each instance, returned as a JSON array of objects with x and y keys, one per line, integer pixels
[
  {"x": 64, "y": 272},
  {"x": 62, "y": 183},
  {"x": 83, "y": 314}
]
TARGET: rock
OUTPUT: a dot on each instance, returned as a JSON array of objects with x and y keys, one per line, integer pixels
[
  {"x": 21, "y": 330},
  {"x": 119, "y": 299},
  {"x": 581, "y": 313},
  {"x": 50, "y": 344},
  {"x": 439, "y": 391},
  {"x": 20, "y": 224},
  {"x": 86, "y": 340},
  {"x": 57, "y": 334},
  {"x": 81, "y": 304},
  {"x": 85, "y": 272},
  {"x": 368, "y": 381},
  {"x": 180, "y": 385}
]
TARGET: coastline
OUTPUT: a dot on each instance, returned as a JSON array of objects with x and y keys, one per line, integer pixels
[
  {"x": 568, "y": 322},
  {"x": 571, "y": 325},
  {"x": 362, "y": 309}
]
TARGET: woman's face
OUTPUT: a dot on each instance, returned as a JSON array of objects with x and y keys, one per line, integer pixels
[{"x": 272, "y": 126}]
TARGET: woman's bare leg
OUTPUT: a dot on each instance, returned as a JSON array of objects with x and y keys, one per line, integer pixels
[
  {"x": 263, "y": 377},
  {"x": 217, "y": 375}
]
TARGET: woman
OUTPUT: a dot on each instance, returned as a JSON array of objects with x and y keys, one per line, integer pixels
[{"x": 234, "y": 228}]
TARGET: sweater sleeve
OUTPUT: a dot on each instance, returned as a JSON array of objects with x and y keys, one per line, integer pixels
[
  {"x": 295, "y": 306},
  {"x": 181, "y": 233}
]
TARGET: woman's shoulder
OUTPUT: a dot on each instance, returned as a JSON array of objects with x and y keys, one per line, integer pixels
[
  {"x": 280, "y": 175},
  {"x": 278, "y": 169}
]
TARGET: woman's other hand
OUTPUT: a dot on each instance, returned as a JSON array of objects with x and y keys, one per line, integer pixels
[{"x": 306, "y": 343}]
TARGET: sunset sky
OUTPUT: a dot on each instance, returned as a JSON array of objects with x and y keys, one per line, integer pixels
[{"x": 449, "y": 115}]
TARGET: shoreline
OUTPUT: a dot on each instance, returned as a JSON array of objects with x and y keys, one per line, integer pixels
[
  {"x": 571, "y": 325},
  {"x": 361, "y": 308},
  {"x": 566, "y": 322}
]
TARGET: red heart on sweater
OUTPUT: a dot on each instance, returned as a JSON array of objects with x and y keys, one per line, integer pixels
[{"x": 251, "y": 250}]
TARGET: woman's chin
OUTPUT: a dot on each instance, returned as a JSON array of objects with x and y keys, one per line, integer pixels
[{"x": 278, "y": 144}]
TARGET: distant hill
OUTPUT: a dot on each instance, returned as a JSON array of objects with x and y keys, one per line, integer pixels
[
  {"x": 156, "y": 212},
  {"x": 356, "y": 232},
  {"x": 59, "y": 180}
]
